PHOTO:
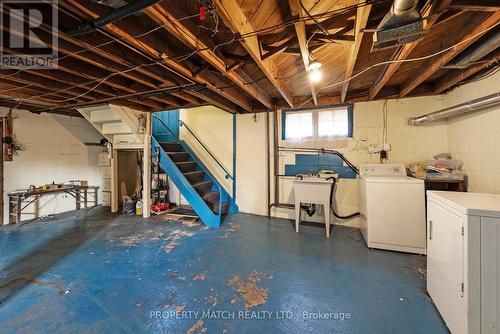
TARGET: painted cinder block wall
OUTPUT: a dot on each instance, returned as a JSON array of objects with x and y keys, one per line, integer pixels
[
  {"x": 474, "y": 139},
  {"x": 214, "y": 127},
  {"x": 54, "y": 150},
  {"x": 407, "y": 144}
]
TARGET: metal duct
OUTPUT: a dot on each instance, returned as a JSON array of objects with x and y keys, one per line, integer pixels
[
  {"x": 112, "y": 3},
  {"x": 402, "y": 24},
  {"x": 117, "y": 14},
  {"x": 402, "y": 12},
  {"x": 459, "y": 109},
  {"x": 475, "y": 54}
]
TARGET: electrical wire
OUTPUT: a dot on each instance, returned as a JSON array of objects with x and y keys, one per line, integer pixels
[
  {"x": 182, "y": 58},
  {"x": 113, "y": 40},
  {"x": 402, "y": 61},
  {"x": 255, "y": 32},
  {"x": 242, "y": 37},
  {"x": 322, "y": 88}
]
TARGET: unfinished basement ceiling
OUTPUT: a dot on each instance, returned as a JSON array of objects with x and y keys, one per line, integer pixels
[{"x": 245, "y": 55}]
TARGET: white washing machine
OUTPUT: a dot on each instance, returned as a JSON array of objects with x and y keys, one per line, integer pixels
[{"x": 392, "y": 208}]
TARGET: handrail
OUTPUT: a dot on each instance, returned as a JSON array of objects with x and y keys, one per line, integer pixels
[
  {"x": 201, "y": 165},
  {"x": 228, "y": 175},
  {"x": 181, "y": 123},
  {"x": 165, "y": 125}
]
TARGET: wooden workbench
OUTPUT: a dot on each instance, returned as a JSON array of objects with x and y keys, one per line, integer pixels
[{"x": 19, "y": 200}]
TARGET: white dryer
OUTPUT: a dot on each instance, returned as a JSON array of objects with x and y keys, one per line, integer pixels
[{"x": 392, "y": 208}]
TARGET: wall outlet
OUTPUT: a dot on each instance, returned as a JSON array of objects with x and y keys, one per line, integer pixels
[{"x": 374, "y": 148}]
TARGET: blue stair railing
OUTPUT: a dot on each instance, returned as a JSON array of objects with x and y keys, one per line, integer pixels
[{"x": 206, "y": 214}]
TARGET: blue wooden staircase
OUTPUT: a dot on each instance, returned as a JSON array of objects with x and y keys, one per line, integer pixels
[{"x": 199, "y": 187}]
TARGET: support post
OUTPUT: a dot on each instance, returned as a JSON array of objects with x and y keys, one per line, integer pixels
[
  {"x": 1, "y": 177},
  {"x": 146, "y": 168},
  {"x": 268, "y": 166},
  {"x": 114, "y": 181},
  {"x": 234, "y": 157}
]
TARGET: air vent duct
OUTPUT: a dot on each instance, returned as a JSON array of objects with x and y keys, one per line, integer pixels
[{"x": 401, "y": 25}]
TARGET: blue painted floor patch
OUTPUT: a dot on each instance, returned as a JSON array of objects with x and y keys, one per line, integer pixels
[{"x": 94, "y": 272}]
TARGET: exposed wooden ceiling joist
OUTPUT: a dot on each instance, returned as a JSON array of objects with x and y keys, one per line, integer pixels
[
  {"x": 168, "y": 61},
  {"x": 430, "y": 9},
  {"x": 453, "y": 77},
  {"x": 300, "y": 30},
  {"x": 167, "y": 17},
  {"x": 362, "y": 15},
  {"x": 486, "y": 6},
  {"x": 236, "y": 20},
  {"x": 425, "y": 72}
]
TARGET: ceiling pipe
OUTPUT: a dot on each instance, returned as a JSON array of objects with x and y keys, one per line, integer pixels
[
  {"x": 474, "y": 55},
  {"x": 117, "y": 14},
  {"x": 459, "y": 109}
]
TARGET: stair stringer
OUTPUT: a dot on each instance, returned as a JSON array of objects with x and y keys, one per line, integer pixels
[
  {"x": 207, "y": 216},
  {"x": 223, "y": 193}
]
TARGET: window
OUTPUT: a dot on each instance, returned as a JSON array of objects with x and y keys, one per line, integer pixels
[
  {"x": 331, "y": 122},
  {"x": 299, "y": 125}
]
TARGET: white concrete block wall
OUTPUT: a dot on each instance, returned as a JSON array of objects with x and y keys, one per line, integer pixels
[
  {"x": 408, "y": 144},
  {"x": 214, "y": 128},
  {"x": 475, "y": 138},
  {"x": 54, "y": 150}
]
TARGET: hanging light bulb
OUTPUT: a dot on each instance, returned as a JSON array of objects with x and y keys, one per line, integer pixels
[
  {"x": 315, "y": 74},
  {"x": 315, "y": 65}
]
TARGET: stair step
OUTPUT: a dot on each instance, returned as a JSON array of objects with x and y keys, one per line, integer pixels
[
  {"x": 172, "y": 147},
  {"x": 179, "y": 156},
  {"x": 186, "y": 166},
  {"x": 202, "y": 187},
  {"x": 225, "y": 207},
  {"x": 196, "y": 176},
  {"x": 212, "y": 200}
]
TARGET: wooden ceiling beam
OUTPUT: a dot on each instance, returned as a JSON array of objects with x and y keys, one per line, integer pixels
[
  {"x": 44, "y": 85},
  {"x": 38, "y": 89},
  {"x": 338, "y": 21},
  {"x": 300, "y": 31},
  {"x": 430, "y": 9},
  {"x": 480, "y": 6},
  {"x": 238, "y": 23},
  {"x": 428, "y": 70},
  {"x": 113, "y": 54},
  {"x": 27, "y": 94},
  {"x": 71, "y": 51},
  {"x": 31, "y": 77},
  {"x": 36, "y": 109},
  {"x": 164, "y": 60},
  {"x": 362, "y": 15},
  {"x": 453, "y": 77},
  {"x": 168, "y": 18}
]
